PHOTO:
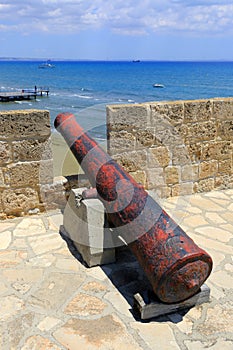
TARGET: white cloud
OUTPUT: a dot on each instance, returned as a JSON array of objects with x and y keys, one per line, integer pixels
[{"x": 121, "y": 16}]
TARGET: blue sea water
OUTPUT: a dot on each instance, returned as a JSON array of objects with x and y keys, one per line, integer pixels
[{"x": 85, "y": 88}]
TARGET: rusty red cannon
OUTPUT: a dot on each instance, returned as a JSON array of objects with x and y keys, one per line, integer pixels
[{"x": 175, "y": 266}]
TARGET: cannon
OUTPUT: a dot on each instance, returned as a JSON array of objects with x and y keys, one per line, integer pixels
[{"x": 174, "y": 265}]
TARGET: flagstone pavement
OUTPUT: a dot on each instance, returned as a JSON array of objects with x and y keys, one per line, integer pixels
[{"x": 49, "y": 299}]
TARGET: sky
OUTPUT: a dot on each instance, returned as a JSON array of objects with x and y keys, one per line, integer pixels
[{"x": 117, "y": 29}]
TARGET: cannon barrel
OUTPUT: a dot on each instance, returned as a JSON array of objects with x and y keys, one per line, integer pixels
[{"x": 175, "y": 266}]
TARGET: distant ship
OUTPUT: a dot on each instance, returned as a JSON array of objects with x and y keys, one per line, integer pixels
[
  {"x": 136, "y": 61},
  {"x": 47, "y": 64}
]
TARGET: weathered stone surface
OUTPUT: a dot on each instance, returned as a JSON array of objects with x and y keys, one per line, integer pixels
[
  {"x": 100, "y": 334},
  {"x": 223, "y": 109},
  {"x": 158, "y": 157},
  {"x": 45, "y": 243},
  {"x": 162, "y": 333},
  {"x": 2, "y": 180},
  {"x": 132, "y": 161},
  {"x": 10, "y": 258},
  {"x": 195, "y": 111},
  {"x": 29, "y": 123},
  {"x": 194, "y": 150},
  {"x": 190, "y": 172},
  {"x": 208, "y": 169},
  {"x": 10, "y": 306},
  {"x": 5, "y": 153},
  {"x": 47, "y": 297},
  {"x": 172, "y": 175},
  {"x": 128, "y": 117},
  {"x": 156, "y": 178},
  {"x": 94, "y": 287},
  {"x": 140, "y": 177},
  {"x": 219, "y": 319},
  {"x": 180, "y": 155},
  {"x": 216, "y": 150},
  {"x": 5, "y": 239},
  {"x": 85, "y": 305},
  {"x": 173, "y": 111},
  {"x": 205, "y": 185},
  {"x": 182, "y": 189},
  {"x": 48, "y": 323},
  {"x": 225, "y": 166},
  {"x": 19, "y": 200},
  {"x": 225, "y": 130},
  {"x": 37, "y": 342},
  {"x": 32, "y": 150},
  {"x": 201, "y": 131},
  {"x": 145, "y": 137},
  {"x": 22, "y": 279},
  {"x": 121, "y": 141},
  {"x": 23, "y": 174},
  {"x": 213, "y": 344},
  {"x": 29, "y": 227}
]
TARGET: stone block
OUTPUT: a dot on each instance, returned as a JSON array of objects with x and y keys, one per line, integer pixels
[
  {"x": 225, "y": 130},
  {"x": 201, "y": 131},
  {"x": 195, "y": 111},
  {"x": 194, "y": 150},
  {"x": 223, "y": 181},
  {"x": 225, "y": 166},
  {"x": 171, "y": 111},
  {"x": 208, "y": 169},
  {"x": 132, "y": 161},
  {"x": 190, "y": 172},
  {"x": 5, "y": 153},
  {"x": 172, "y": 175},
  {"x": 120, "y": 142},
  {"x": 140, "y": 177},
  {"x": 128, "y": 117},
  {"x": 167, "y": 134},
  {"x": 180, "y": 155},
  {"x": 85, "y": 223},
  {"x": 54, "y": 195},
  {"x": 32, "y": 150},
  {"x": 182, "y": 189},
  {"x": 29, "y": 173},
  {"x": 158, "y": 157},
  {"x": 216, "y": 150},
  {"x": 145, "y": 137},
  {"x": 29, "y": 123},
  {"x": 205, "y": 185},
  {"x": 223, "y": 109},
  {"x": 156, "y": 178},
  {"x": 2, "y": 180},
  {"x": 19, "y": 201}
]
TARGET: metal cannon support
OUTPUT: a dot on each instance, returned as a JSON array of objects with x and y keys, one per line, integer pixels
[{"x": 175, "y": 266}]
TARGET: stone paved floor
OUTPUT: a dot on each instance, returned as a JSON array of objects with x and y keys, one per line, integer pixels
[{"x": 50, "y": 300}]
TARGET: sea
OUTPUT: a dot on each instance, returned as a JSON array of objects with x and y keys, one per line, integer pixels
[{"x": 86, "y": 87}]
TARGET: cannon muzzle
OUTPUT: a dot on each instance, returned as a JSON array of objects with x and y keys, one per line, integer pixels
[{"x": 175, "y": 266}]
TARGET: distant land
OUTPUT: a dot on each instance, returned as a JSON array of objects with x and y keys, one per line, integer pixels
[{"x": 37, "y": 59}]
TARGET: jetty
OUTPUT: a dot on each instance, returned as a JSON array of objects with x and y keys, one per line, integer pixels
[{"x": 24, "y": 94}]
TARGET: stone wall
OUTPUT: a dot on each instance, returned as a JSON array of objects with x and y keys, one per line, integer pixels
[
  {"x": 26, "y": 161},
  {"x": 176, "y": 148}
]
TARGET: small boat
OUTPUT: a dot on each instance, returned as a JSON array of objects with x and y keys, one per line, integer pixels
[
  {"x": 46, "y": 65},
  {"x": 158, "y": 86}
]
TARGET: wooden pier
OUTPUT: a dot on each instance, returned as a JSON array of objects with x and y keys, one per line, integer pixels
[{"x": 24, "y": 94}]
